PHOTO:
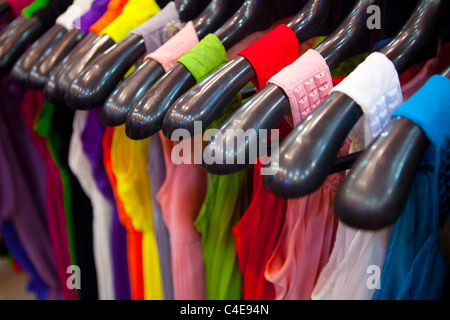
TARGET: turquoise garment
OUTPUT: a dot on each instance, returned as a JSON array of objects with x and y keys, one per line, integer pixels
[{"x": 415, "y": 268}]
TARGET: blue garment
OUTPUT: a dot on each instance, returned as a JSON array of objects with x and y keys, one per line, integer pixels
[
  {"x": 12, "y": 241},
  {"x": 415, "y": 268}
]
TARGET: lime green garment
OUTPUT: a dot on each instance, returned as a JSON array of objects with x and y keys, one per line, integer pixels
[
  {"x": 32, "y": 8},
  {"x": 135, "y": 13},
  {"x": 205, "y": 58},
  {"x": 227, "y": 197}
]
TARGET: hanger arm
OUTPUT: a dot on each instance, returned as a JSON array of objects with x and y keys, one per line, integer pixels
[
  {"x": 316, "y": 168},
  {"x": 57, "y": 84},
  {"x": 124, "y": 96},
  {"x": 206, "y": 100},
  {"x": 122, "y": 99},
  {"x": 91, "y": 88},
  {"x": 29, "y": 58},
  {"x": 40, "y": 72},
  {"x": 155, "y": 105},
  {"x": 19, "y": 37},
  {"x": 375, "y": 192},
  {"x": 253, "y": 115}
]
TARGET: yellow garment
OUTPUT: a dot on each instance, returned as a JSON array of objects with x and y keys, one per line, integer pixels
[
  {"x": 135, "y": 13},
  {"x": 129, "y": 163}
]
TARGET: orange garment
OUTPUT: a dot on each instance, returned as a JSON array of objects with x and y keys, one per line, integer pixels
[
  {"x": 115, "y": 8},
  {"x": 134, "y": 238}
]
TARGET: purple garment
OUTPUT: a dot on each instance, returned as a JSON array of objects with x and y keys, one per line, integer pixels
[
  {"x": 157, "y": 172},
  {"x": 91, "y": 138},
  {"x": 98, "y": 9},
  {"x": 23, "y": 172}
]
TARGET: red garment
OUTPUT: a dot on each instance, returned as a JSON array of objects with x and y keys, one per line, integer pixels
[
  {"x": 17, "y": 6},
  {"x": 134, "y": 238},
  {"x": 268, "y": 55},
  {"x": 257, "y": 233}
]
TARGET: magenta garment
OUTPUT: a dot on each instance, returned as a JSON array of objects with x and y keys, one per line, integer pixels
[
  {"x": 309, "y": 230},
  {"x": 18, "y": 5},
  {"x": 22, "y": 172},
  {"x": 91, "y": 138},
  {"x": 54, "y": 202},
  {"x": 98, "y": 8}
]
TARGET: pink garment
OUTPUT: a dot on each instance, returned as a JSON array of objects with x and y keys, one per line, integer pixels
[
  {"x": 307, "y": 86},
  {"x": 309, "y": 230},
  {"x": 181, "y": 197},
  {"x": 168, "y": 54}
]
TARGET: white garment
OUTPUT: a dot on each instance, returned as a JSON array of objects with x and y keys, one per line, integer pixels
[
  {"x": 102, "y": 210},
  {"x": 374, "y": 85},
  {"x": 71, "y": 17},
  {"x": 151, "y": 31},
  {"x": 352, "y": 270}
]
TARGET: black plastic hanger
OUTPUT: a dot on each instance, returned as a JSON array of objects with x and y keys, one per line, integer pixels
[
  {"x": 4, "y": 6},
  {"x": 206, "y": 100},
  {"x": 92, "y": 86},
  {"x": 83, "y": 54},
  {"x": 17, "y": 38},
  {"x": 34, "y": 54},
  {"x": 147, "y": 115},
  {"x": 375, "y": 192},
  {"x": 124, "y": 96},
  {"x": 268, "y": 107},
  {"x": 84, "y": 51},
  {"x": 54, "y": 54},
  {"x": 312, "y": 147}
]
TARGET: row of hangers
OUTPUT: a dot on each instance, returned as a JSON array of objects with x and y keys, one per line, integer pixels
[{"x": 87, "y": 72}]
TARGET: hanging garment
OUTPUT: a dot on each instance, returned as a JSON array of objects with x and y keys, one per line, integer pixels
[
  {"x": 308, "y": 233},
  {"x": 71, "y": 17},
  {"x": 35, "y": 284},
  {"x": 157, "y": 172},
  {"x": 226, "y": 200},
  {"x": 17, "y": 6},
  {"x": 134, "y": 13},
  {"x": 151, "y": 30},
  {"x": 261, "y": 224},
  {"x": 98, "y": 9},
  {"x": 47, "y": 15},
  {"x": 32, "y": 8},
  {"x": 281, "y": 41},
  {"x": 102, "y": 209},
  {"x": 54, "y": 198},
  {"x": 55, "y": 124},
  {"x": 115, "y": 9},
  {"x": 168, "y": 54},
  {"x": 129, "y": 163},
  {"x": 414, "y": 268},
  {"x": 91, "y": 138},
  {"x": 376, "y": 87},
  {"x": 134, "y": 238},
  {"x": 22, "y": 199}
]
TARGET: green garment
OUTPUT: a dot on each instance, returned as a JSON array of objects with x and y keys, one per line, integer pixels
[
  {"x": 32, "y": 8},
  {"x": 205, "y": 58},
  {"x": 227, "y": 197}
]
